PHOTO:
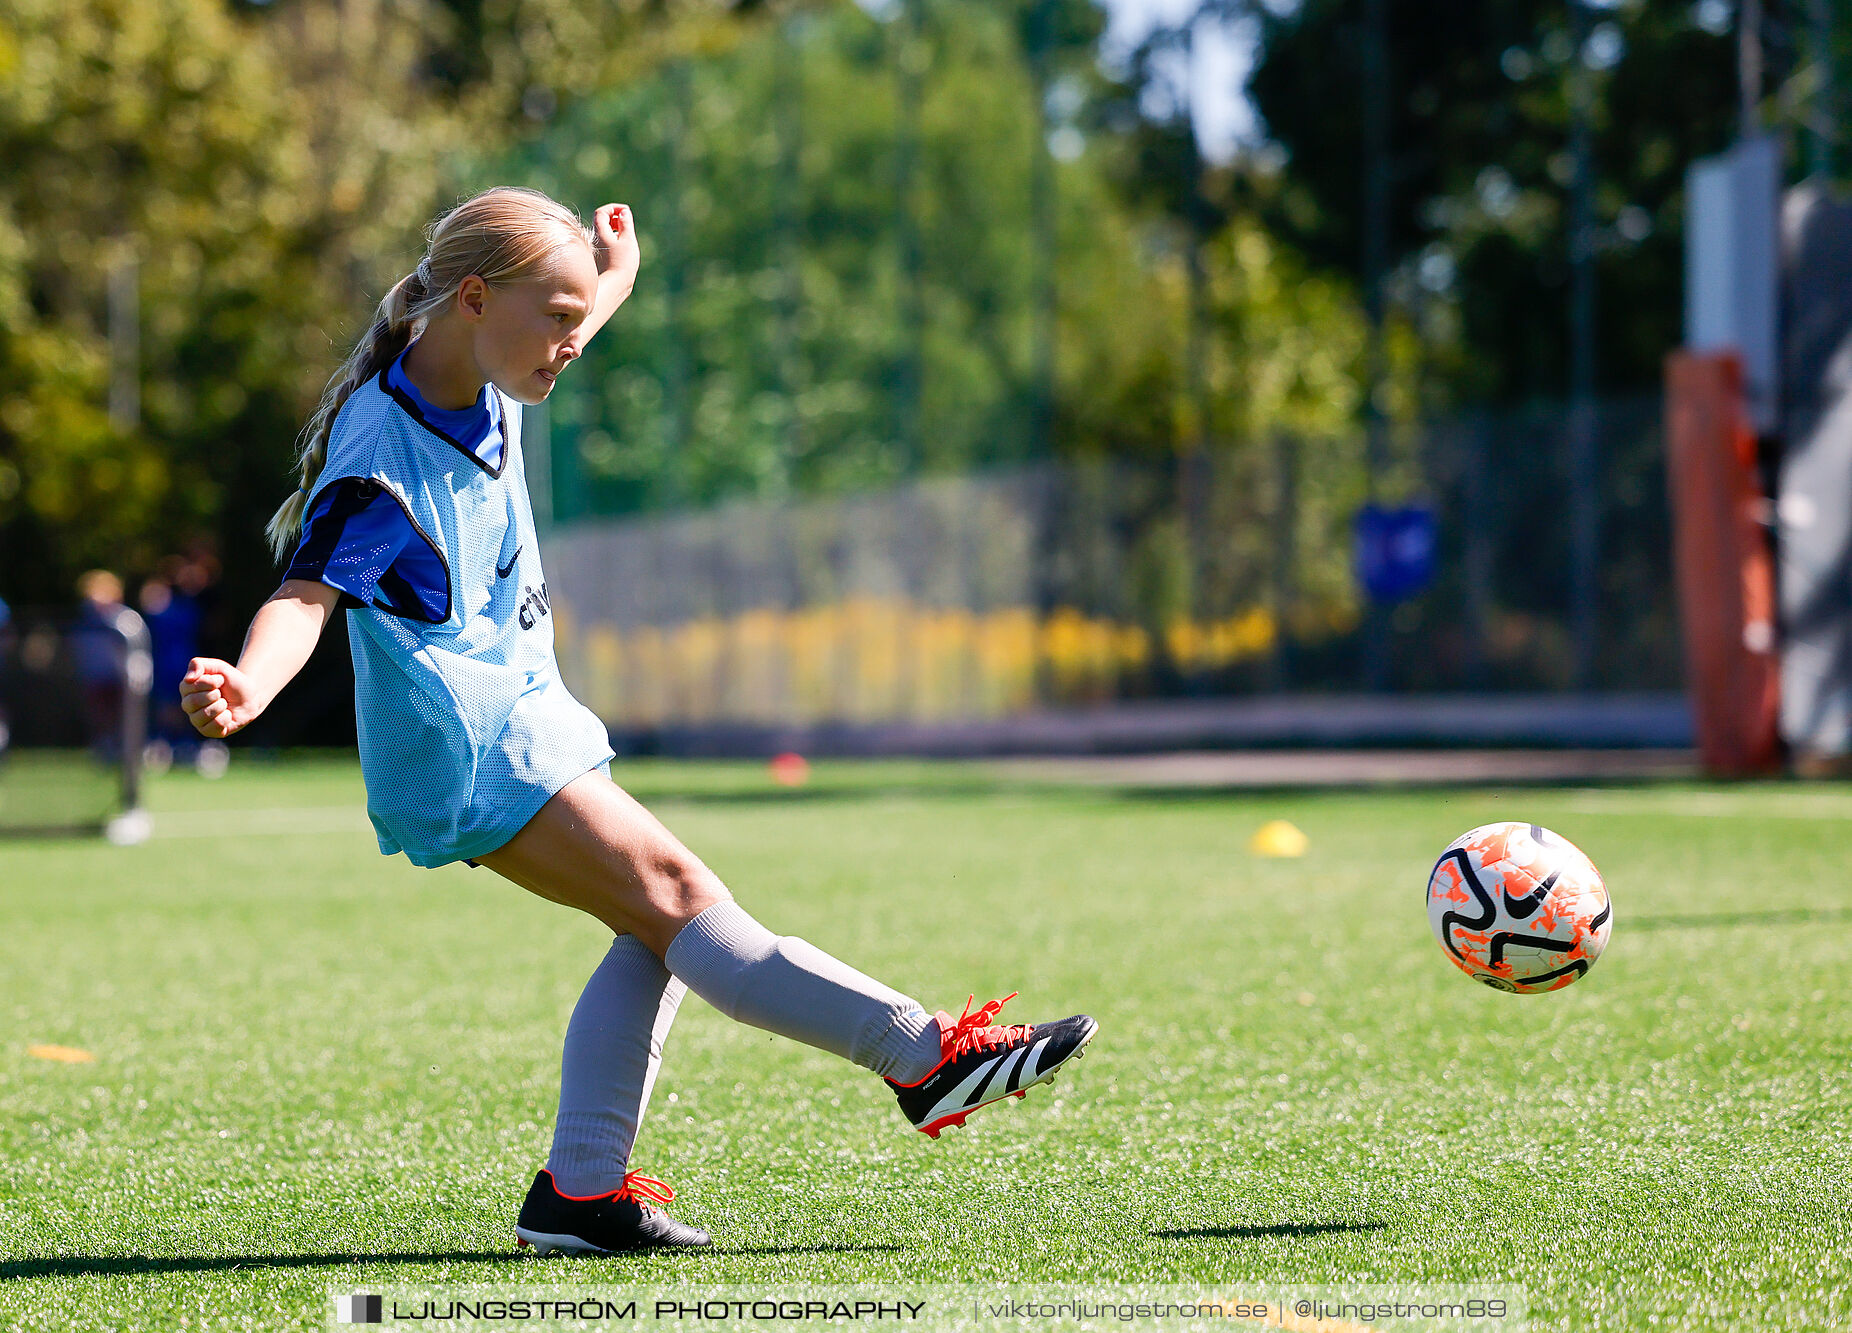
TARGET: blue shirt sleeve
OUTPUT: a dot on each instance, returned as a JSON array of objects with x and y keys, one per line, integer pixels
[{"x": 359, "y": 539}]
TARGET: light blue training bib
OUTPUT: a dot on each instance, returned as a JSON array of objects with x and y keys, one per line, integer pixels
[{"x": 465, "y": 727}]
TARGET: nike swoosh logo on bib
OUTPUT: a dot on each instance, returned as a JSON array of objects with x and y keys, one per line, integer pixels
[{"x": 502, "y": 572}]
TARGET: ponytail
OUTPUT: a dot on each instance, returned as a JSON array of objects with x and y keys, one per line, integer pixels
[
  {"x": 500, "y": 235},
  {"x": 391, "y": 332}
]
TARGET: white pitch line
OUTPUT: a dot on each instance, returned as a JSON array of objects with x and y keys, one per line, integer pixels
[{"x": 282, "y": 822}]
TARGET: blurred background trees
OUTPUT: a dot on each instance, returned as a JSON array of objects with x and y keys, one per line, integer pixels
[
  {"x": 221, "y": 192},
  {"x": 845, "y": 270},
  {"x": 882, "y": 240},
  {"x": 843, "y": 283},
  {"x": 1479, "y": 165}
]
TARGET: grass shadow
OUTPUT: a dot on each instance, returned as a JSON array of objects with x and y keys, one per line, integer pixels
[
  {"x": 83, "y": 1265},
  {"x": 803, "y": 1249},
  {"x": 1256, "y": 1232}
]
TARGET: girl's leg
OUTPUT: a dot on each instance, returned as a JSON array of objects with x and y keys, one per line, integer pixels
[
  {"x": 595, "y": 848},
  {"x": 613, "y": 1050}
]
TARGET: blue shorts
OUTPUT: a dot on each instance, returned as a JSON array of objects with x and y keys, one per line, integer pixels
[
  {"x": 473, "y": 864},
  {"x": 550, "y": 739}
]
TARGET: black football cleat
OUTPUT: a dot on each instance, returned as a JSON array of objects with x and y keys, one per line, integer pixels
[
  {"x": 981, "y": 1063},
  {"x": 612, "y": 1223}
]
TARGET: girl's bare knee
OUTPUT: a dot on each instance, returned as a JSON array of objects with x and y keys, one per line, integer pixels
[
  {"x": 678, "y": 888},
  {"x": 673, "y": 895}
]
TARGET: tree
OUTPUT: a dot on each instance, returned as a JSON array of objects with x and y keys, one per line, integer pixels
[
  {"x": 1478, "y": 135},
  {"x": 700, "y": 149},
  {"x": 231, "y": 161}
]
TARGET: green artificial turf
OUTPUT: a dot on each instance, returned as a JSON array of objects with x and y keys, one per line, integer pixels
[{"x": 314, "y": 1065}]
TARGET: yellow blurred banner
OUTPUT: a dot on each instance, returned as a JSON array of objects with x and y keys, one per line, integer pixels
[{"x": 876, "y": 659}]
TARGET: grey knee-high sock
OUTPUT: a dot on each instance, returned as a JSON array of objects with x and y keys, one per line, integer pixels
[
  {"x": 613, "y": 1050},
  {"x": 784, "y": 985}
]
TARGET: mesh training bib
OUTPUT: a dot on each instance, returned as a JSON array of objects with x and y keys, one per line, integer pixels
[{"x": 465, "y": 727}]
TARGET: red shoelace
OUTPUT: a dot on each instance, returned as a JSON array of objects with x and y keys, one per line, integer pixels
[
  {"x": 977, "y": 1030},
  {"x": 636, "y": 1183}
]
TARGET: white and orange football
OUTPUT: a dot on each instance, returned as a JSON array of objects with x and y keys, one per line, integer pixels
[{"x": 1519, "y": 908}]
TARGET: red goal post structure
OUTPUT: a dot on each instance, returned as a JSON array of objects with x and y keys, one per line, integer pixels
[{"x": 1724, "y": 565}]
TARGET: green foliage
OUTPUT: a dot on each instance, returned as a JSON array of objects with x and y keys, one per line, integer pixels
[
  {"x": 840, "y": 283},
  {"x": 1478, "y": 136},
  {"x": 765, "y": 347},
  {"x": 506, "y": 58},
  {"x": 229, "y": 161},
  {"x": 842, "y": 271}
]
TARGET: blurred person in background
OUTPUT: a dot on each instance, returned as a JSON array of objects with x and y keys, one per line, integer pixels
[
  {"x": 97, "y": 655},
  {"x": 170, "y": 604}
]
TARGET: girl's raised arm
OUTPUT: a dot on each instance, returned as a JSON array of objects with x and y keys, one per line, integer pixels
[
  {"x": 220, "y": 698},
  {"x": 618, "y": 259}
]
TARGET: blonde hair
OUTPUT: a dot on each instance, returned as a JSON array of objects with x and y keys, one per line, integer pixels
[{"x": 500, "y": 235}]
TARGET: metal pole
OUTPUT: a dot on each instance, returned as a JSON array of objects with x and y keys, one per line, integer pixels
[
  {"x": 1062, "y": 489},
  {"x": 1193, "y": 473},
  {"x": 137, "y": 680},
  {"x": 791, "y": 228},
  {"x": 1474, "y": 440},
  {"x": 1285, "y": 522},
  {"x": 1043, "y": 238},
  {"x": 910, "y": 382},
  {"x": 1375, "y": 265},
  {"x": 679, "y": 370},
  {"x": 1584, "y": 481},
  {"x": 124, "y": 338}
]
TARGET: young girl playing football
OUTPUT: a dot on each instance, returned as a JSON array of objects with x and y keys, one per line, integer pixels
[{"x": 412, "y": 515}]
